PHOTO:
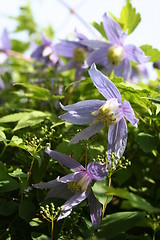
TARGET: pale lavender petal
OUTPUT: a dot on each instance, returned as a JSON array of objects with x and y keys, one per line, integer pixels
[
  {"x": 6, "y": 43},
  {"x": 95, "y": 44},
  {"x": 37, "y": 53},
  {"x": 65, "y": 160},
  {"x": 72, "y": 177},
  {"x": 71, "y": 203},
  {"x": 103, "y": 84},
  {"x": 113, "y": 30},
  {"x": 81, "y": 113},
  {"x": 1, "y": 84},
  {"x": 87, "y": 132},
  {"x": 45, "y": 40},
  {"x": 117, "y": 138},
  {"x": 97, "y": 170},
  {"x": 57, "y": 189},
  {"x": 135, "y": 54},
  {"x": 98, "y": 56},
  {"x": 80, "y": 36},
  {"x": 129, "y": 113},
  {"x": 95, "y": 209},
  {"x": 71, "y": 64},
  {"x": 123, "y": 69},
  {"x": 66, "y": 48}
]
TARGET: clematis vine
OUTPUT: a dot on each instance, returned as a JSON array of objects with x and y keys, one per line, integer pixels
[
  {"x": 76, "y": 52},
  {"x": 100, "y": 113},
  {"x": 76, "y": 186},
  {"x": 114, "y": 55}
]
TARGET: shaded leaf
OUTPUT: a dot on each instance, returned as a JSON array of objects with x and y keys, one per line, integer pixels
[
  {"x": 27, "y": 210},
  {"x": 147, "y": 142}
]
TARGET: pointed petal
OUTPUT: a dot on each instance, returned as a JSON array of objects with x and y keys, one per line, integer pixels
[
  {"x": 123, "y": 70},
  {"x": 95, "y": 209},
  {"x": 103, "y": 84},
  {"x": 72, "y": 177},
  {"x": 97, "y": 170},
  {"x": 87, "y": 132},
  {"x": 71, "y": 203},
  {"x": 129, "y": 113},
  {"x": 80, "y": 36},
  {"x": 65, "y": 160},
  {"x": 117, "y": 138},
  {"x": 98, "y": 56},
  {"x": 6, "y": 43},
  {"x": 66, "y": 48},
  {"x": 95, "y": 44},
  {"x": 113, "y": 30},
  {"x": 81, "y": 113},
  {"x": 135, "y": 54},
  {"x": 57, "y": 189}
]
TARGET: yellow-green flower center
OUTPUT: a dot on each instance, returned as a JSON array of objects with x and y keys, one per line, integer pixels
[
  {"x": 115, "y": 54},
  {"x": 79, "y": 55},
  {"x": 79, "y": 185},
  {"x": 109, "y": 113}
]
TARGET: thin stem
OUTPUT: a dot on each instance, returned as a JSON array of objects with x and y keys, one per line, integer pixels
[
  {"x": 52, "y": 229},
  {"x": 68, "y": 95},
  {"x": 104, "y": 209},
  {"x": 85, "y": 156},
  {"x": 5, "y": 145},
  {"x": 154, "y": 235}
]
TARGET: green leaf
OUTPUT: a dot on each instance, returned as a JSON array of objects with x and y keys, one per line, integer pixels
[
  {"x": 2, "y": 136},
  {"x": 152, "y": 52},
  {"x": 31, "y": 119},
  {"x": 135, "y": 200},
  {"x": 8, "y": 208},
  {"x": 100, "y": 29},
  {"x": 114, "y": 224},
  {"x": 7, "y": 183},
  {"x": 129, "y": 18},
  {"x": 19, "y": 46},
  {"x": 35, "y": 91},
  {"x": 13, "y": 117},
  {"x": 100, "y": 190},
  {"x": 27, "y": 210},
  {"x": 147, "y": 142}
]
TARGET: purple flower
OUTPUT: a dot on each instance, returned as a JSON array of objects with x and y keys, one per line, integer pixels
[
  {"x": 101, "y": 113},
  {"x": 115, "y": 55},
  {"x": 138, "y": 71},
  {"x": 76, "y": 52},
  {"x": 5, "y": 45},
  {"x": 76, "y": 187},
  {"x": 46, "y": 53}
]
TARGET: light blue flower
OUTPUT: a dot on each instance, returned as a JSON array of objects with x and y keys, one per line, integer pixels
[{"x": 101, "y": 113}]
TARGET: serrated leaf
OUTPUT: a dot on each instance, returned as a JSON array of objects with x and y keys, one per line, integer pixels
[
  {"x": 100, "y": 29},
  {"x": 129, "y": 18},
  {"x": 152, "y": 52},
  {"x": 147, "y": 142},
  {"x": 31, "y": 119},
  {"x": 114, "y": 224}
]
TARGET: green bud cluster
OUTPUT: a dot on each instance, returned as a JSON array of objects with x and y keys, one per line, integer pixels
[{"x": 49, "y": 212}]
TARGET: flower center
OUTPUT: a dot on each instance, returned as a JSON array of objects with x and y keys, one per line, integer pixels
[
  {"x": 115, "y": 54},
  {"x": 79, "y": 185},
  {"x": 79, "y": 55},
  {"x": 109, "y": 113}
]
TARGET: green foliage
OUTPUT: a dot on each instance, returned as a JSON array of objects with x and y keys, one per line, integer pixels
[
  {"x": 152, "y": 52},
  {"x": 100, "y": 29},
  {"x": 129, "y": 19}
]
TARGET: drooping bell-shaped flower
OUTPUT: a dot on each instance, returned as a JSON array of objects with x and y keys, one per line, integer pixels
[
  {"x": 114, "y": 55},
  {"x": 99, "y": 113},
  {"x": 76, "y": 187}
]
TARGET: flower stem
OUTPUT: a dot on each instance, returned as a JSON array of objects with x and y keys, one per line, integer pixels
[
  {"x": 85, "y": 157},
  {"x": 52, "y": 228},
  {"x": 104, "y": 209}
]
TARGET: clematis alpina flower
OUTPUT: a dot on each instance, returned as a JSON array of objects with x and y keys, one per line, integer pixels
[
  {"x": 138, "y": 72},
  {"x": 101, "y": 113},
  {"x": 5, "y": 45},
  {"x": 46, "y": 53},
  {"x": 76, "y": 52},
  {"x": 114, "y": 55},
  {"x": 76, "y": 187}
]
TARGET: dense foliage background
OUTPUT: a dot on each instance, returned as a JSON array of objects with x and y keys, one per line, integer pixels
[{"x": 30, "y": 91}]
